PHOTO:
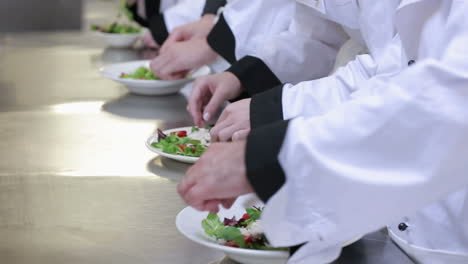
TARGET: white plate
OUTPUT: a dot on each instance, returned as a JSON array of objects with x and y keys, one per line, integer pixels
[
  {"x": 147, "y": 87},
  {"x": 154, "y": 138},
  {"x": 119, "y": 40},
  {"x": 188, "y": 222}
]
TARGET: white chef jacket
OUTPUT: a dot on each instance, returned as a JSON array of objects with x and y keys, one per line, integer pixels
[
  {"x": 290, "y": 38},
  {"x": 251, "y": 22},
  {"x": 183, "y": 12},
  {"x": 380, "y": 141}
]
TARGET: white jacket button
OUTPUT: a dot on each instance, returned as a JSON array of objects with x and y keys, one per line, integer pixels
[{"x": 403, "y": 226}]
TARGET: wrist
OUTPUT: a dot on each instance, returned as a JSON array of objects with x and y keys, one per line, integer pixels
[
  {"x": 209, "y": 18},
  {"x": 242, "y": 166},
  {"x": 235, "y": 83}
]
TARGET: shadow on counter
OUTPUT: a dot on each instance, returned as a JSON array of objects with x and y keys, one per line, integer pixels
[
  {"x": 118, "y": 55},
  {"x": 171, "y": 108},
  {"x": 167, "y": 168}
]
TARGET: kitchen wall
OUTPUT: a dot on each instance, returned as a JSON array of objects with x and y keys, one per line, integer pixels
[{"x": 40, "y": 15}]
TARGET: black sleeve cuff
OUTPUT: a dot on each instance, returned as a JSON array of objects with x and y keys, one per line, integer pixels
[
  {"x": 263, "y": 169},
  {"x": 222, "y": 40},
  {"x": 294, "y": 249},
  {"x": 133, "y": 9},
  {"x": 266, "y": 107},
  {"x": 212, "y": 6},
  {"x": 157, "y": 26},
  {"x": 254, "y": 75},
  {"x": 242, "y": 96},
  {"x": 154, "y": 20},
  {"x": 152, "y": 8}
]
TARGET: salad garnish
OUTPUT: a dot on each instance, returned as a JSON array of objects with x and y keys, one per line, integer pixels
[
  {"x": 142, "y": 73},
  {"x": 181, "y": 143},
  {"x": 115, "y": 28},
  {"x": 245, "y": 232}
]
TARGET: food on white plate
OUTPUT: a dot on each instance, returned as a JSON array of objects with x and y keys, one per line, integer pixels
[
  {"x": 191, "y": 143},
  {"x": 142, "y": 73},
  {"x": 246, "y": 232},
  {"x": 115, "y": 28}
]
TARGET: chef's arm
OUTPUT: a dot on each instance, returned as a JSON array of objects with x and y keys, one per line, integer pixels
[
  {"x": 305, "y": 48},
  {"x": 398, "y": 146},
  {"x": 310, "y": 98}
]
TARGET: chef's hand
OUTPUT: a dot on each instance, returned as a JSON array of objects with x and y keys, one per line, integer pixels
[
  {"x": 209, "y": 93},
  {"x": 218, "y": 178},
  {"x": 182, "y": 57},
  {"x": 149, "y": 42},
  {"x": 234, "y": 122},
  {"x": 199, "y": 29}
]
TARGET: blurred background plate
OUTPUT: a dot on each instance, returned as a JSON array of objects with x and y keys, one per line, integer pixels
[
  {"x": 119, "y": 40},
  {"x": 148, "y": 87}
]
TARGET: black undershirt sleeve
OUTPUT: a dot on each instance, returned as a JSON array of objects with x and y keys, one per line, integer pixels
[
  {"x": 212, "y": 6},
  {"x": 154, "y": 20},
  {"x": 266, "y": 107},
  {"x": 254, "y": 75},
  {"x": 156, "y": 23},
  {"x": 133, "y": 9},
  {"x": 263, "y": 169},
  {"x": 222, "y": 40}
]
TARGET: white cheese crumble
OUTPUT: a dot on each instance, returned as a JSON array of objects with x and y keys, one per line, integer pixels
[{"x": 202, "y": 134}]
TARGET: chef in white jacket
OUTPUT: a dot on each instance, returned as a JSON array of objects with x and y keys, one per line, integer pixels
[
  {"x": 268, "y": 48},
  {"x": 241, "y": 29},
  {"x": 383, "y": 141}
]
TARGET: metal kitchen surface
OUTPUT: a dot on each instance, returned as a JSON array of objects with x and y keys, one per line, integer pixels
[{"x": 77, "y": 184}]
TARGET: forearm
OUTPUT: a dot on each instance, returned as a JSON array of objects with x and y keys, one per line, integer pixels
[
  {"x": 300, "y": 48},
  {"x": 311, "y": 98}
]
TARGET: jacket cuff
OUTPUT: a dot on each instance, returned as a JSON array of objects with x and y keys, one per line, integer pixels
[
  {"x": 158, "y": 28},
  {"x": 263, "y": 169},
  {"x": 242, "y": 96},
  {"x": 266, "y": 107},
  {"x": 152, "y": 8},
  {"x": 294, "y": 249},
  {"x": 134, "y": 10},
  {"x": 254, "y": 75},
  {"x": 212, "y": 6},
  {"x": 222, "y": 40}
]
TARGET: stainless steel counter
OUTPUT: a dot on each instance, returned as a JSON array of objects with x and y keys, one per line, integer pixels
[{"x": 77, "y": 184}]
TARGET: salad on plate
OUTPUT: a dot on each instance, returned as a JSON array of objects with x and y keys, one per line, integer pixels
[
  {"x": 246, "y": 232},
  {"x": 120, "y": 27},
  {"x": 142, "y": 73},
  {"x": 191, "y": 143},
  {"x": 116, "y": 28}
]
